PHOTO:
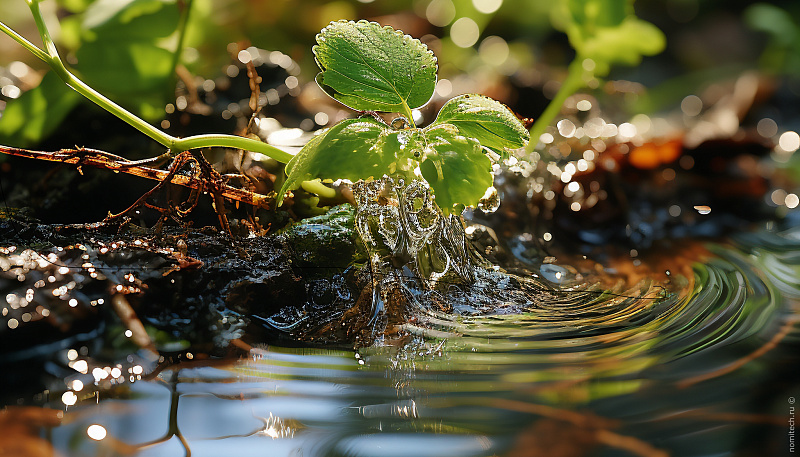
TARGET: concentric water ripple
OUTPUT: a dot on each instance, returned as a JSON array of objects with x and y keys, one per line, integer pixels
[{"x": 694, "y": 366}]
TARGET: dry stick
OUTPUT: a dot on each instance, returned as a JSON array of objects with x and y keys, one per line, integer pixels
[
  {"x": 629, "y": 443},
  {"x": 255, "y": 88},
  {"x": 102, "y": 159},
  {"x": 768, "y": 346},
  {"x": 206, "y": 169},
  {"x": 179, "y": 162}
]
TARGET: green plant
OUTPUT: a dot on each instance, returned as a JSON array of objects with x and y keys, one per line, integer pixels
[
  {"x": 371, "y": 68},
  {"x": 782, "y": 52},
  {"x": 133, "y": 9},
  {"x": 603, "y": 33}
]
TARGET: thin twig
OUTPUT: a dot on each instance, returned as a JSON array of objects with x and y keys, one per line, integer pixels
[{"x": 101, "y": 159}]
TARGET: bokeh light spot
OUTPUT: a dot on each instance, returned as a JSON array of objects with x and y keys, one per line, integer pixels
[{"x": 464, "y": 32}]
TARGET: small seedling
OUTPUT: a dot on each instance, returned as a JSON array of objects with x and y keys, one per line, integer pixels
[
  {"x": 603, "y": 33},
  {"x": 372, "y": 68}
]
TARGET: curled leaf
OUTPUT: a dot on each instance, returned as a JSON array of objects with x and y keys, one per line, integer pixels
[{"x": 486, "y": 120}]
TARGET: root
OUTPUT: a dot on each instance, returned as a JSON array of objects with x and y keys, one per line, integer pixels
[{"x": 202, "y": 178}]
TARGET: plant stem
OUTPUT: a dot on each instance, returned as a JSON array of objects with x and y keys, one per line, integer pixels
[
  {"x": 570, "y": 85},
  {"x": 187, "y": 11},
  {"x": 50, "y": 56},
  {"x": 32, "y": 48},
  {"x": 229, "y": 141},
  {"x": 409, "y": 115}
]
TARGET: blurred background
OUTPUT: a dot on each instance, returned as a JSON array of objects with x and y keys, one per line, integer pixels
[
  {"x": 694, "y": 352},
  {"x": 507, "y": 49}
]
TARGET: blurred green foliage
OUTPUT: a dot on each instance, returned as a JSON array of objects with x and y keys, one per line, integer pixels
[
  {"x": 607, "y": 32},
  {"x": 125, "y": 49},
  {"x": 38, "y": 112},
  {"x": 782, "y": 53}
]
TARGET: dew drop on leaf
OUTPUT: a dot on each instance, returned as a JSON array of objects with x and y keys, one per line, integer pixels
[
  {"x": 399, "y": 123},
  {"x": 490, "y": 201}
]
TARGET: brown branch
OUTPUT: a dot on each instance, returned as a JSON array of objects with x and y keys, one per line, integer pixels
[
  {"x": 633, "y": 445},
  {"x": 181, "y": 160},
  {"x": 101, "y": 159}
]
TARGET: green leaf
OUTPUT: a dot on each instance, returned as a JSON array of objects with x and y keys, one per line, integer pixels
[
  {"x": 353, "y": 149},
  {"x": 131, "y": 69},
  {"x": 143, "y": 20},
  {"x": 121, "y": 53},
  {"x": 456, "y": 168},
  {"x": 486, "y": 120},
  {"x": 625, "y": 44},
  {"x": 607, "y": 31},
  {"x": 372, "y": 68},
  {"x": 38, "y": 112}
]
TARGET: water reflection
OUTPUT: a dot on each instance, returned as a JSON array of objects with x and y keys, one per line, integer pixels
[{"x": 698, "y": 362}]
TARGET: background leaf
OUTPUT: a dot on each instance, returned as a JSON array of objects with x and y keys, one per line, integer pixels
[
  {"x": 372, "y": 68},
  {"x": 486, "y": 120},
  {"x": 456, "y": 168},
  {"x": 38, "y": 112},
  {"x": 121, "y": 53},
  {"x": 353, "y": 149},
  {"x": 625, "y": 43},
  {"x": 132, "y": 19},
  {"x": 782, "y": 53},
  {"x": 607, "y": 31}
]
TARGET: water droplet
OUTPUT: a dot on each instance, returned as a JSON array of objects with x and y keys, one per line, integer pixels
[
  {"x": 400, "y": 123},
  {"x": 490, "y": 201}
]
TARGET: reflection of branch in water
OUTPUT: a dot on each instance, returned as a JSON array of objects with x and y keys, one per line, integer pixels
[
  {"x": 768, "y": 346},
  {"x": 172, "y": 428},
  {"x": 597, "y": 426},
  {"x": 21, "y": 436},
  {"x": 711, "y": 416},
  {"x": 119, "y": 447}
]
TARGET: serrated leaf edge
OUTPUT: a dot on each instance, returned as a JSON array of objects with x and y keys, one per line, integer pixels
[{"x": 405, "y": 37}]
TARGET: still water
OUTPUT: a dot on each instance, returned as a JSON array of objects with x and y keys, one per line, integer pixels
[{"x": 695, "y": 356}]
